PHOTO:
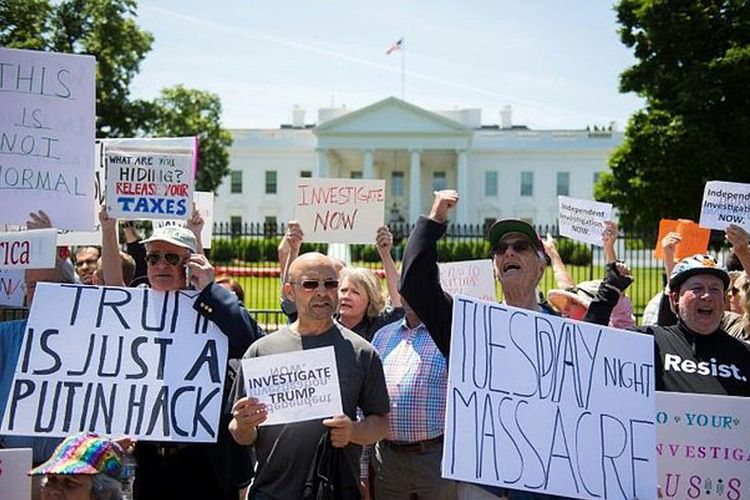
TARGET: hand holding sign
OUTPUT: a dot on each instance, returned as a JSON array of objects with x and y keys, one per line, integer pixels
[
  {"x": 249, "y": 413},
  {"x": 738, "y": 237},
  {"x": 445, "y": 201}
]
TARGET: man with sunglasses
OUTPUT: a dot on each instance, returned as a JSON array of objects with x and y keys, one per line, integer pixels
[
  {"x": 200, "y": 470},
  {"x": 519, "y": 263},
  {"x": 286, "y": 452}
]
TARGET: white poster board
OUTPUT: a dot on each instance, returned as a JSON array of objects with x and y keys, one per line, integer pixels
[
  {"x": 474, "y": 278},
  {"x": 118, "y": 361},
  {"x": 15, "y": 484},
  {"x": 583, "y": 220},
  {"x": 47, "y": 137},
  {"x": 204, "y": 202},
  {"x": 35, "y": 249},
  {"x": 12, "y": 287},
  {"x": 539, "y": 403},
  {"x": 703, "y": 445},
  {"x": 295, "y": 386},
  {"x": 725, "y": 203},
  {"x": 340, "y": 210},
  {"x": 89, "y": 238},
  {"x": 148, "y": 186}
]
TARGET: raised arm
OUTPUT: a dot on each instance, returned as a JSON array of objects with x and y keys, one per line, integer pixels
[
  {"x": 195, "y": 223},
  {"x": 384, "y": 245},
  {"x": 609, "y": 237},
  {"x": 563, "y": 279},
  {"x": 740, "y": 239},
  {"x": 668, "y": 246},
  {"x": 420, "y": 277},
  {"x": 111, "y": 265}
]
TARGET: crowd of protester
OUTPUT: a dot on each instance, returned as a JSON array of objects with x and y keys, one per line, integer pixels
[{"x": 391, "y": 347}]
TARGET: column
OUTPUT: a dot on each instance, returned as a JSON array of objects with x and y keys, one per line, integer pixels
[
  {"x": 415, "y": 186},
  {"x": 322, "y": 167},
  {"x": 462, "y": 170},
  {"x": 367, "y": 165}
]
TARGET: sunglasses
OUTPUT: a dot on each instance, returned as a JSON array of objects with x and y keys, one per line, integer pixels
[
  {"x": 733, "y": 291},
  {"x": 314, "y": 284},
  {"x": 153, "y": 258},
  {"x": 517, "y": 246}
]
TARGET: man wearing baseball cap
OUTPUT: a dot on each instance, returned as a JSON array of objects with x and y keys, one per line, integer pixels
[
  {"x": 188, "y": 470},
  {"x": 519, "y": 263}
]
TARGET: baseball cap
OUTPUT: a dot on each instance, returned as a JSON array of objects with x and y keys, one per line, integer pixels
[
  {"x": 506, "y": 226},
  {"x": 696, "y": 264},
  {"x": 83, "y": 454},
  {"x": 176, "y": 235}
]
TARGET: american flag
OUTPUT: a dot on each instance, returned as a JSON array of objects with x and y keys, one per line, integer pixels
[{"x": 394, "y": 47}]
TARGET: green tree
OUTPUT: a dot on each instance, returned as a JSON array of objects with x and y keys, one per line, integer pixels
[
  {"x": 181, "y": 111},
  {"x": 693, "y": 70},
  {"x": 105, "y": 29}
]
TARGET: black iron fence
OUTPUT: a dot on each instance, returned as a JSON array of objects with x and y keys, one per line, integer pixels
[{"x": 248, "y": 253}]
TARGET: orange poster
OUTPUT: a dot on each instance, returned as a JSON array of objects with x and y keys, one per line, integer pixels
[{"x": 694, "y": 238}]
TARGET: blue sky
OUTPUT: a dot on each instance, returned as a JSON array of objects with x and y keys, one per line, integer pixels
[{"x": 556, "y": 62}]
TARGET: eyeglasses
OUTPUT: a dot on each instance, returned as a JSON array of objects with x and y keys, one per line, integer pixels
[
  {"x": 314, "y": 284},
  {"x": 518, "y": 246},
  {"x": 152, "y": 258}
]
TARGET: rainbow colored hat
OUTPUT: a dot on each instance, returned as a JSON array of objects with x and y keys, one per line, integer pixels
[{"x": 83, "y": 454}]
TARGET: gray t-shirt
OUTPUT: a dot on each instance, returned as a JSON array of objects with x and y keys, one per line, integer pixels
[{"x": 285, "y": 452}]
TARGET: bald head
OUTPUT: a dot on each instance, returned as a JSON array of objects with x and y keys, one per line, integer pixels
[
  {"x": 310, "y": 261},
  {"x": 313, "y": 286}
]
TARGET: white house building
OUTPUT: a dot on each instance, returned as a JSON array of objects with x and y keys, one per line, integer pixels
[{"x": 499, "y": 170}]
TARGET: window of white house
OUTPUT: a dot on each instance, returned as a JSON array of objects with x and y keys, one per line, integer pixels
[
  {"x": 271, "y": 178},
  {"x": 305, "y": 174},
  {"x": 397, "y": 183},
  {"x": 269, "y": 225},
  {"x": 563, "y": 184},
  {"x": 235, "y": 224},
  {"x": 490, "y": 183},
  {"x": 235, "y": 177},
  {"x": 527, "y": 183},
  {"x": 597, "y": 175},
  {"x": 355, "y": 174},
  {"x": 439, "y": 181}
]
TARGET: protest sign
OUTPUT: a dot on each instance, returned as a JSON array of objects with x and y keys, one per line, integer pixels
[
  {"x": 295, "y": 386},
  {"x": 117, "y": 361},
  {"x": 154, "y": 181},
  {"x": 12, "y": 287},
  {"x": 47, "y": 136},
  {"x": 583, "y": 220},
  {"x": 474, "y": 278},
  {"x": 540, "y": 403},
  {"x": 89, "y": 238},
  {"x": 15, "y": 484},
  {"x": 703, "y": 445},
  {"x": 204, "y": 202},
  {"x": 340, "y": 210},
  {"x": 36, "y": 249},
  {"x": 725, "y": 203},
  {"x": 694, "y": 238}
]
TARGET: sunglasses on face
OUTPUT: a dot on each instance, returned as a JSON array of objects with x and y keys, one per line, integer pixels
[
  {"x": 517, "y": 246},
  {"x": 153, "y": 258},
  {"x": 314, "y": 284}
]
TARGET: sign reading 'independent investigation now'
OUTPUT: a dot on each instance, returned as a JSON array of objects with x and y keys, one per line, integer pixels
[{"x": 117, "y": 361}]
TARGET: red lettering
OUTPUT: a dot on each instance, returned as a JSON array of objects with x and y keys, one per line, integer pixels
[{"x": 14, "y": 252}]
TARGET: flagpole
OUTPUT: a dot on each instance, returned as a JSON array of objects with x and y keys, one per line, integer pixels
[{"x": 403, "y": 73}]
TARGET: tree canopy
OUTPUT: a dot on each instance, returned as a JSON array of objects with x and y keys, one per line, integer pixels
[
  {"x": 107, "y": 29},
  {"x": 693, "y": 70}
]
